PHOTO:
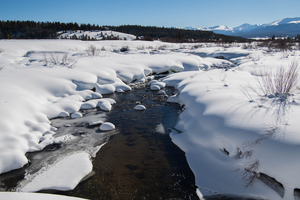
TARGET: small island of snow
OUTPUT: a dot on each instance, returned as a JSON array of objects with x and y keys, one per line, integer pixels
[{"x": 107, "y": 126}]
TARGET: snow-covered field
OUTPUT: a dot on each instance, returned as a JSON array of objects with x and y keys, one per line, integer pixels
[{"x": 231, "y": 134}]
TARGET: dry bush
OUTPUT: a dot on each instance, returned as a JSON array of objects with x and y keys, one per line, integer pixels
[
  {"x": 250, "y": 175},
  {"x": 68, "y": 61},
  {"x": 280, "y": 45},
  {"x": 92, "y": 50},
  {"x": 55, "y": 59},
  {"x": 149, "y": 47},
  {"x": 141, "y": 47},
  {"x": 280, "y": 84}
]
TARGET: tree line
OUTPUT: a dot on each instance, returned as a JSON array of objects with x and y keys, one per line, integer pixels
[
  {"x": 39, "y": 30},
  {"x": 49, "y": 30}
]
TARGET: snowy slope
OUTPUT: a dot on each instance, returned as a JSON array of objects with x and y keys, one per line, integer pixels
[
  {"x": 285, "y": 21},
  {"x": 97, "y": 34}
]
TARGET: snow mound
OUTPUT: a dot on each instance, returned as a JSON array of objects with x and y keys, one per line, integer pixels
[
  {"x": 140, "y": 107},
  {"x": 63, "y": 114},
  {"x": 162, "y": 92},
  {"x": 156, "y": 85},
  {"x": 76, "y": 115},
  {"x": 107, "y": 126}
]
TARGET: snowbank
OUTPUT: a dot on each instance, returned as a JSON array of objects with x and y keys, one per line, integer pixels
[
  {"x": 34, "y": 196},
  {"x": 232, "y": 136}
]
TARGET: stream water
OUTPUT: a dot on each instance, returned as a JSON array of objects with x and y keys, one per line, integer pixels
[{"x": 138, "y": 161}]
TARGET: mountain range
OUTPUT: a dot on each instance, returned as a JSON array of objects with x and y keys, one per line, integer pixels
[{"x": 284, "y": 27}]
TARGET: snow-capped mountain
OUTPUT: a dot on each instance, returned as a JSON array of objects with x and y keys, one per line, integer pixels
[
  {"x": 246, "y": 27},
  {"x": 284, "y": 27}
]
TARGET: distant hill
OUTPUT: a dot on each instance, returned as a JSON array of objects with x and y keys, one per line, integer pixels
[
  {"x": 284, "y": 27},
  {"x": 54, "y": 30}
]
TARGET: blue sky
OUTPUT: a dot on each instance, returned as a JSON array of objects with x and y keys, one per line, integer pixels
[{"x": 168, "y": 13}]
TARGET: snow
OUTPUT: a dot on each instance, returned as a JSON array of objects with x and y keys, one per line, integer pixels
[
  {"x": 64, "y": 175},
  {"x": 156, "y": 85},
  {"x": 285, "y": 21},
  {"x": 220, "y": 115},
  {"x": 34, "y": 196},
  {"x": 214, "y": 28},
  {"x": 161, "y": 92},
  {"x": 107, "y": 126},
  {"x": 140, "y": 107},
  {"x": 96, "y": 123},
  {"x": 76, "y": 115},
  {"x": 98, "y": 34},
  {"x": 294, "y": 22}
]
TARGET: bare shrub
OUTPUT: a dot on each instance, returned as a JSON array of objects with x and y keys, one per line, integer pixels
[
  {"x": 239, "y": 154},
  {"x": 45, "y": 59},
  {"x": 92, "y": 50},
  {"x": 250, "y": 175},
  {"x": 141, "y": 47},
  {"x": 280, "y": 45},
  {"x": 162, "y": 47},
  {"x": 270, "y": 129},
  {"x": 248, "y": 154},
  {"x": 280, "y": 84},
  {"x": 196, "y": 46},
  {"x": 68, "y": 61},
  {"x": 54, "y": 59},
  {"x": 252, "y": 143}
]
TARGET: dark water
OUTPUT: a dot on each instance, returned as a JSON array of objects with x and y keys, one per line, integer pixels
[{"x": 137, "y": 162}]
